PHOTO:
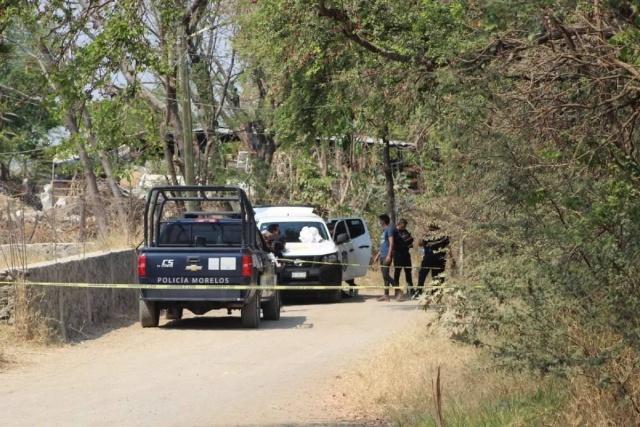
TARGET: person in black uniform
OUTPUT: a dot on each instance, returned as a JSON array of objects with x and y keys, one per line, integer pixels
[
  {"x": 273, "y": 239},
  {"x": 434, "y": 247},
  {"x": 402, "y": 256}
]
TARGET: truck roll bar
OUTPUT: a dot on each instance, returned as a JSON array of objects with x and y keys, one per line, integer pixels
[{"x": 178, "y": 194}]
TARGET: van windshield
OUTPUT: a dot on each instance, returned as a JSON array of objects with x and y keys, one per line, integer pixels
[{"x": 290, "y": 231}]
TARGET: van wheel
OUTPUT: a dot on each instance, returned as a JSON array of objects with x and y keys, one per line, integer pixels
[
  {"x": 250, "y": 312},
  {"x": 174, "y": 313},
  {"x": 149, "y": 314},
  {"x": 271, "y": 308}
]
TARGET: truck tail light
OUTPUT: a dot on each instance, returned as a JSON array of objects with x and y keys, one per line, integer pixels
[
  {"x": 142, "y": 265},
  {"x": 247, "y": 266}
]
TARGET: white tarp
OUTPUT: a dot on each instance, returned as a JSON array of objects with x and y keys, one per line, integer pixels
[{"x": 310, "y": 235}]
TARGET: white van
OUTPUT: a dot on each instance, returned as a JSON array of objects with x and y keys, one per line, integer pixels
[{"x": 313, "y": 249}]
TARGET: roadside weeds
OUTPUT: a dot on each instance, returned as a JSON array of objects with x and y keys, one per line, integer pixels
[
  {"x": 398, "y": 385},
  {"x": 16, "y": 351}
]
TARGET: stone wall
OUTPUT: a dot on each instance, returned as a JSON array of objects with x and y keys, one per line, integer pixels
[
  {"x": 7, "y": 303},
  {"x": 64, "y": 312}
]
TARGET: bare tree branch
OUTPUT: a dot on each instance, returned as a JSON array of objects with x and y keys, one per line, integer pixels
[{"x": 349, "y": 30}]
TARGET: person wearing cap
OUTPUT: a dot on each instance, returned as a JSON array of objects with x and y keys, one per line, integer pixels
[
  {"x": 402, "y": 255},
  {"x": 434, "y": 247}
]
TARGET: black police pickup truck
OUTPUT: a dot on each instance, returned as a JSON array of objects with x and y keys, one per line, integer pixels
[{"x": 204, "y": 235}]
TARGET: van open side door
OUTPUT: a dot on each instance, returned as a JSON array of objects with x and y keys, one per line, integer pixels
[{"x": 356, "y": 251}]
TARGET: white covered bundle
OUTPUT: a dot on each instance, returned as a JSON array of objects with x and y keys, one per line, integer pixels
[{"x": 310, "y": 235}]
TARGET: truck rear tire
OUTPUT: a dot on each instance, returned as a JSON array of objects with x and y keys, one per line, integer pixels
[
  {"x": 149, "y": 314},
  {"x": 250, "y": 312},
  {"x": 174, "y": 313},
  {"x": 271, "y": 308}
]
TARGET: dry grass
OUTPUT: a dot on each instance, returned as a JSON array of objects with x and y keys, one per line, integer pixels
[
  {"x": 10, "y": 346},
  {"x": 590, "y": 405},
  {"x": 397, "y": 384},
  {"x": 21, "y": 226},
  {"x": 16, "y": 351},
  {"x": 5, "y": 331},
  {"x": 117, "y": 239},
  {"x": 607, "y": 394},
  {"x": 19, "y": 256}
]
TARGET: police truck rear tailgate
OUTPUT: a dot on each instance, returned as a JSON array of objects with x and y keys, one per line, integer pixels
[{"x": 194, "y": 266}]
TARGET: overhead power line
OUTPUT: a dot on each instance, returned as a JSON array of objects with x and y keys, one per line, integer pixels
[{"x": 13, "y": 153}]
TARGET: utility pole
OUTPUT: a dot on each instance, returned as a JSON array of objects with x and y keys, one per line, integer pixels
[
  {"x": 388, "y": 175},
  {"x": 185, "y": 105}
]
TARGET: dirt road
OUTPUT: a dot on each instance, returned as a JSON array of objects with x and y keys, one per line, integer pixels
[{"x": 203, "y": 371}]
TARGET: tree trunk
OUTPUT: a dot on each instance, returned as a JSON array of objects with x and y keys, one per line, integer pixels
[
  {"x": 339, "y": 158},
  {"x": 83, "y": 219},
  {"x": 267, "y": 147},
  {"x": 113, "y": 185},
  {"x": 4, "y": 171},
  {"x": 108, "y": 171},
  {"x": 211, "y": 151},
  {"x": 168, "y": 155},
  {"x": 93, "y": 193},
  {"x": 388, "y": 176},
  {"x": 257, "y": 141},
  {"x": 207, "y": 106},
  {"x": 168, "y": 138},
  {"x": 174, "y": 119},
  {"x": 254, "y": 136},
  {"x": 322, "y": 157},
  {"x": 185, "y": 105}
]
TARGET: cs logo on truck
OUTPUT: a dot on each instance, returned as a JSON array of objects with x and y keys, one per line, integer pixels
[{"x": 166, "y": 263}]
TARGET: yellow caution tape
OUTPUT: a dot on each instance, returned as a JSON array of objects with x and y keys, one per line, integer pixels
[
  {"x": 215, "y": 287},
  {"x": 302, "y": 261}
]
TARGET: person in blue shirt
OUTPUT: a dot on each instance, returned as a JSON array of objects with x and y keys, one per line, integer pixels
[{"x": 385, "y": 255}]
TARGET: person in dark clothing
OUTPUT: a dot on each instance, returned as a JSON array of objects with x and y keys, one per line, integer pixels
[
  {"x": 385, "y": 254},
  {"x": 402, "y": 254},
  {"x": 435, "y": 247},
  {"x": 272, "y": 238}
]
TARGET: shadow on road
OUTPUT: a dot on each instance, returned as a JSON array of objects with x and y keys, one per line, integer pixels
[
  {"x": 404, "y": 307},
  {"x": 310, "y": 298},
  {"x": 208, "y": 323},
  {"x": 94, "y": 332},
  {"x": 325, "y": 424}
]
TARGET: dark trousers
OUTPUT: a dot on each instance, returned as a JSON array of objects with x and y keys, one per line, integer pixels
[
  {"x": 386, "y": 277},
  {"x": 402, "y": 261},
  {"x": 434, "y": 266}
]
